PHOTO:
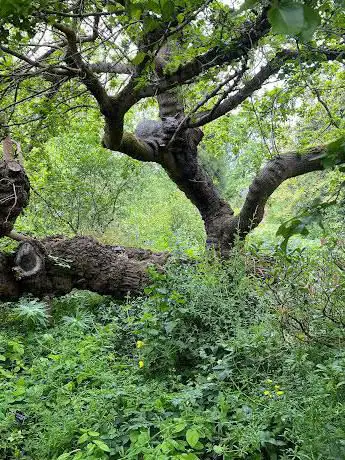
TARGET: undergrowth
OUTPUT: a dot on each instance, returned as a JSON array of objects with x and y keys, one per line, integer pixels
[{"x": 204, "y": 366}]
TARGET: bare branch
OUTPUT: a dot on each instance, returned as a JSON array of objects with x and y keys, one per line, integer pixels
[
  {"x": 248, "y": 89},
  {"x": 74, "y": 59},
  {"x": 80, "y": 15}
]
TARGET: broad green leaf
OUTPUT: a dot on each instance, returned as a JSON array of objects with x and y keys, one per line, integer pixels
[
  {"x": 334, "y": 154},
  {"x": 150, "y": 24},
  {"x": 294, "y": 19},
  {"x": 311, "y": 21},
  {"x": 139, "y": 58},
  {"x": 168, "y": 9},
  {"x": 64, "y": 456},
  {"x": 287, "y": 20},
  {"x": 135, "y": 11},
  {"x": 189, "y": 456},
  {"x": 192, "y": 437},
  {"x": 179, "y": 427},
  {"x": 248, "y": 4},
  {"x": 180, "y": 17},
  {"x": 102, "y": 445},
  {"x": 83, "y": 438},
  {"x": 218, "y": 449}
]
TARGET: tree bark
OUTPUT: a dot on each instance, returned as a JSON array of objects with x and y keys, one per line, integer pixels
[
  {"x": 14, "y": 191},
  {"x": 56, "y": 265}
]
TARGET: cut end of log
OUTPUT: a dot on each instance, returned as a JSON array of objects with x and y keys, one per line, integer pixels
[{"x": 29, "y": 261}]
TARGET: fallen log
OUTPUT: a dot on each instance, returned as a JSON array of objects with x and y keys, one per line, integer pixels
[{"x": 56, "y": 265}]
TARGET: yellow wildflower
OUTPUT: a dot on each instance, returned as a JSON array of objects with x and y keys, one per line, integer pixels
[
  {"x": 140, "y": 344},
  {"x": 279, "y": 393},
  {"x": 268, "y": 381},
  {"x": 141, "y": 364},
  {"x": 276, "y": 387},
  {"x": 267, "y": 393}
]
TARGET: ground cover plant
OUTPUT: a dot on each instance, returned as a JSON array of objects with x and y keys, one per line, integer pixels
[{"x": 206, "y": 366}]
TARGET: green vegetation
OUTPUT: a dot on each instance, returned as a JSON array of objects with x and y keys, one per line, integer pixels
[
  {"x": 223, "y": 355},
  {"x": 209, "y": 364}
]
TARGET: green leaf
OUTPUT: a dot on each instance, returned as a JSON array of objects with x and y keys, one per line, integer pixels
[
  {"x": 248, "y": 4},
  {"x": 168, "y": 9},
  {"x": 294, "y": 19},
  {"x": 192, "y": 437},
  {"x": 180, "y": 17},
  {"x": 134, "y": 11},
  {"x": 179, "y": 427},
  {"x": 312, "y": 20},
  {"x": 218, "y": 449},
  {"x": 287, "y": 20},
  {"x": 83, "y": 438},
  {"x": 150, "y": 24},
  {"x": 102, "y": 445},
  {"x": 64, "y": 456},
  {"x": 335, "y": 153},
  {"x": 139, "y": 58},
  {"x": 189, "y": 456}
]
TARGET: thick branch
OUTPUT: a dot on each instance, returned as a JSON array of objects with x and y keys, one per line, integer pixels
[
  {"x": 74, "y": 59},
  {"x": 112, "y": 108},
  {"x": 219, "y": 55},
  {"x": 275, "y": 172},
  {"x": 111, "y": 67}
]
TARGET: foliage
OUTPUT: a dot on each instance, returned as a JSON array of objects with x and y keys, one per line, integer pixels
[
  {"x": 236, "y": 360},
  {"x": 198, "y": 369},
  {"x": 313, "y": 309},
  {"x": 31, "y": 313}
]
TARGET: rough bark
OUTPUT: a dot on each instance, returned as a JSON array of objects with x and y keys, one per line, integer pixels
[
  {"x": 56, "y": 265},
  {"x": 274, "y": 173},
  {"x": 14, "y": 193}
]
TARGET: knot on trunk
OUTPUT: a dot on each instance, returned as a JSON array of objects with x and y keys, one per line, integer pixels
[
  {"x": 14, "y": 194},
  {"x": 29, "y": 260}
]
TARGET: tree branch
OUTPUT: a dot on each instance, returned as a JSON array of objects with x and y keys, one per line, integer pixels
[
  {"x": 111, "y": 67},
  {"x": 255, "y": 83},
  {"x": 113, "y": 108},
  {"x": 81, "y": 15},
  {"x": 275, "y": 172},
  {"x": 248, "y": 89},
  {"x": 216, "y": 56},
  {"x": 74, "y": 59}
]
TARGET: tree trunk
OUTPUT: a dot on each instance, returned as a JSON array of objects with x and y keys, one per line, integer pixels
[
  {"x": 183, "y": 167},
  {"x": 56, "y": 265}
]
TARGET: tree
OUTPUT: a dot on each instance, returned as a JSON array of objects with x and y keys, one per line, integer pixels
[{"x": 198, "y": 60}]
